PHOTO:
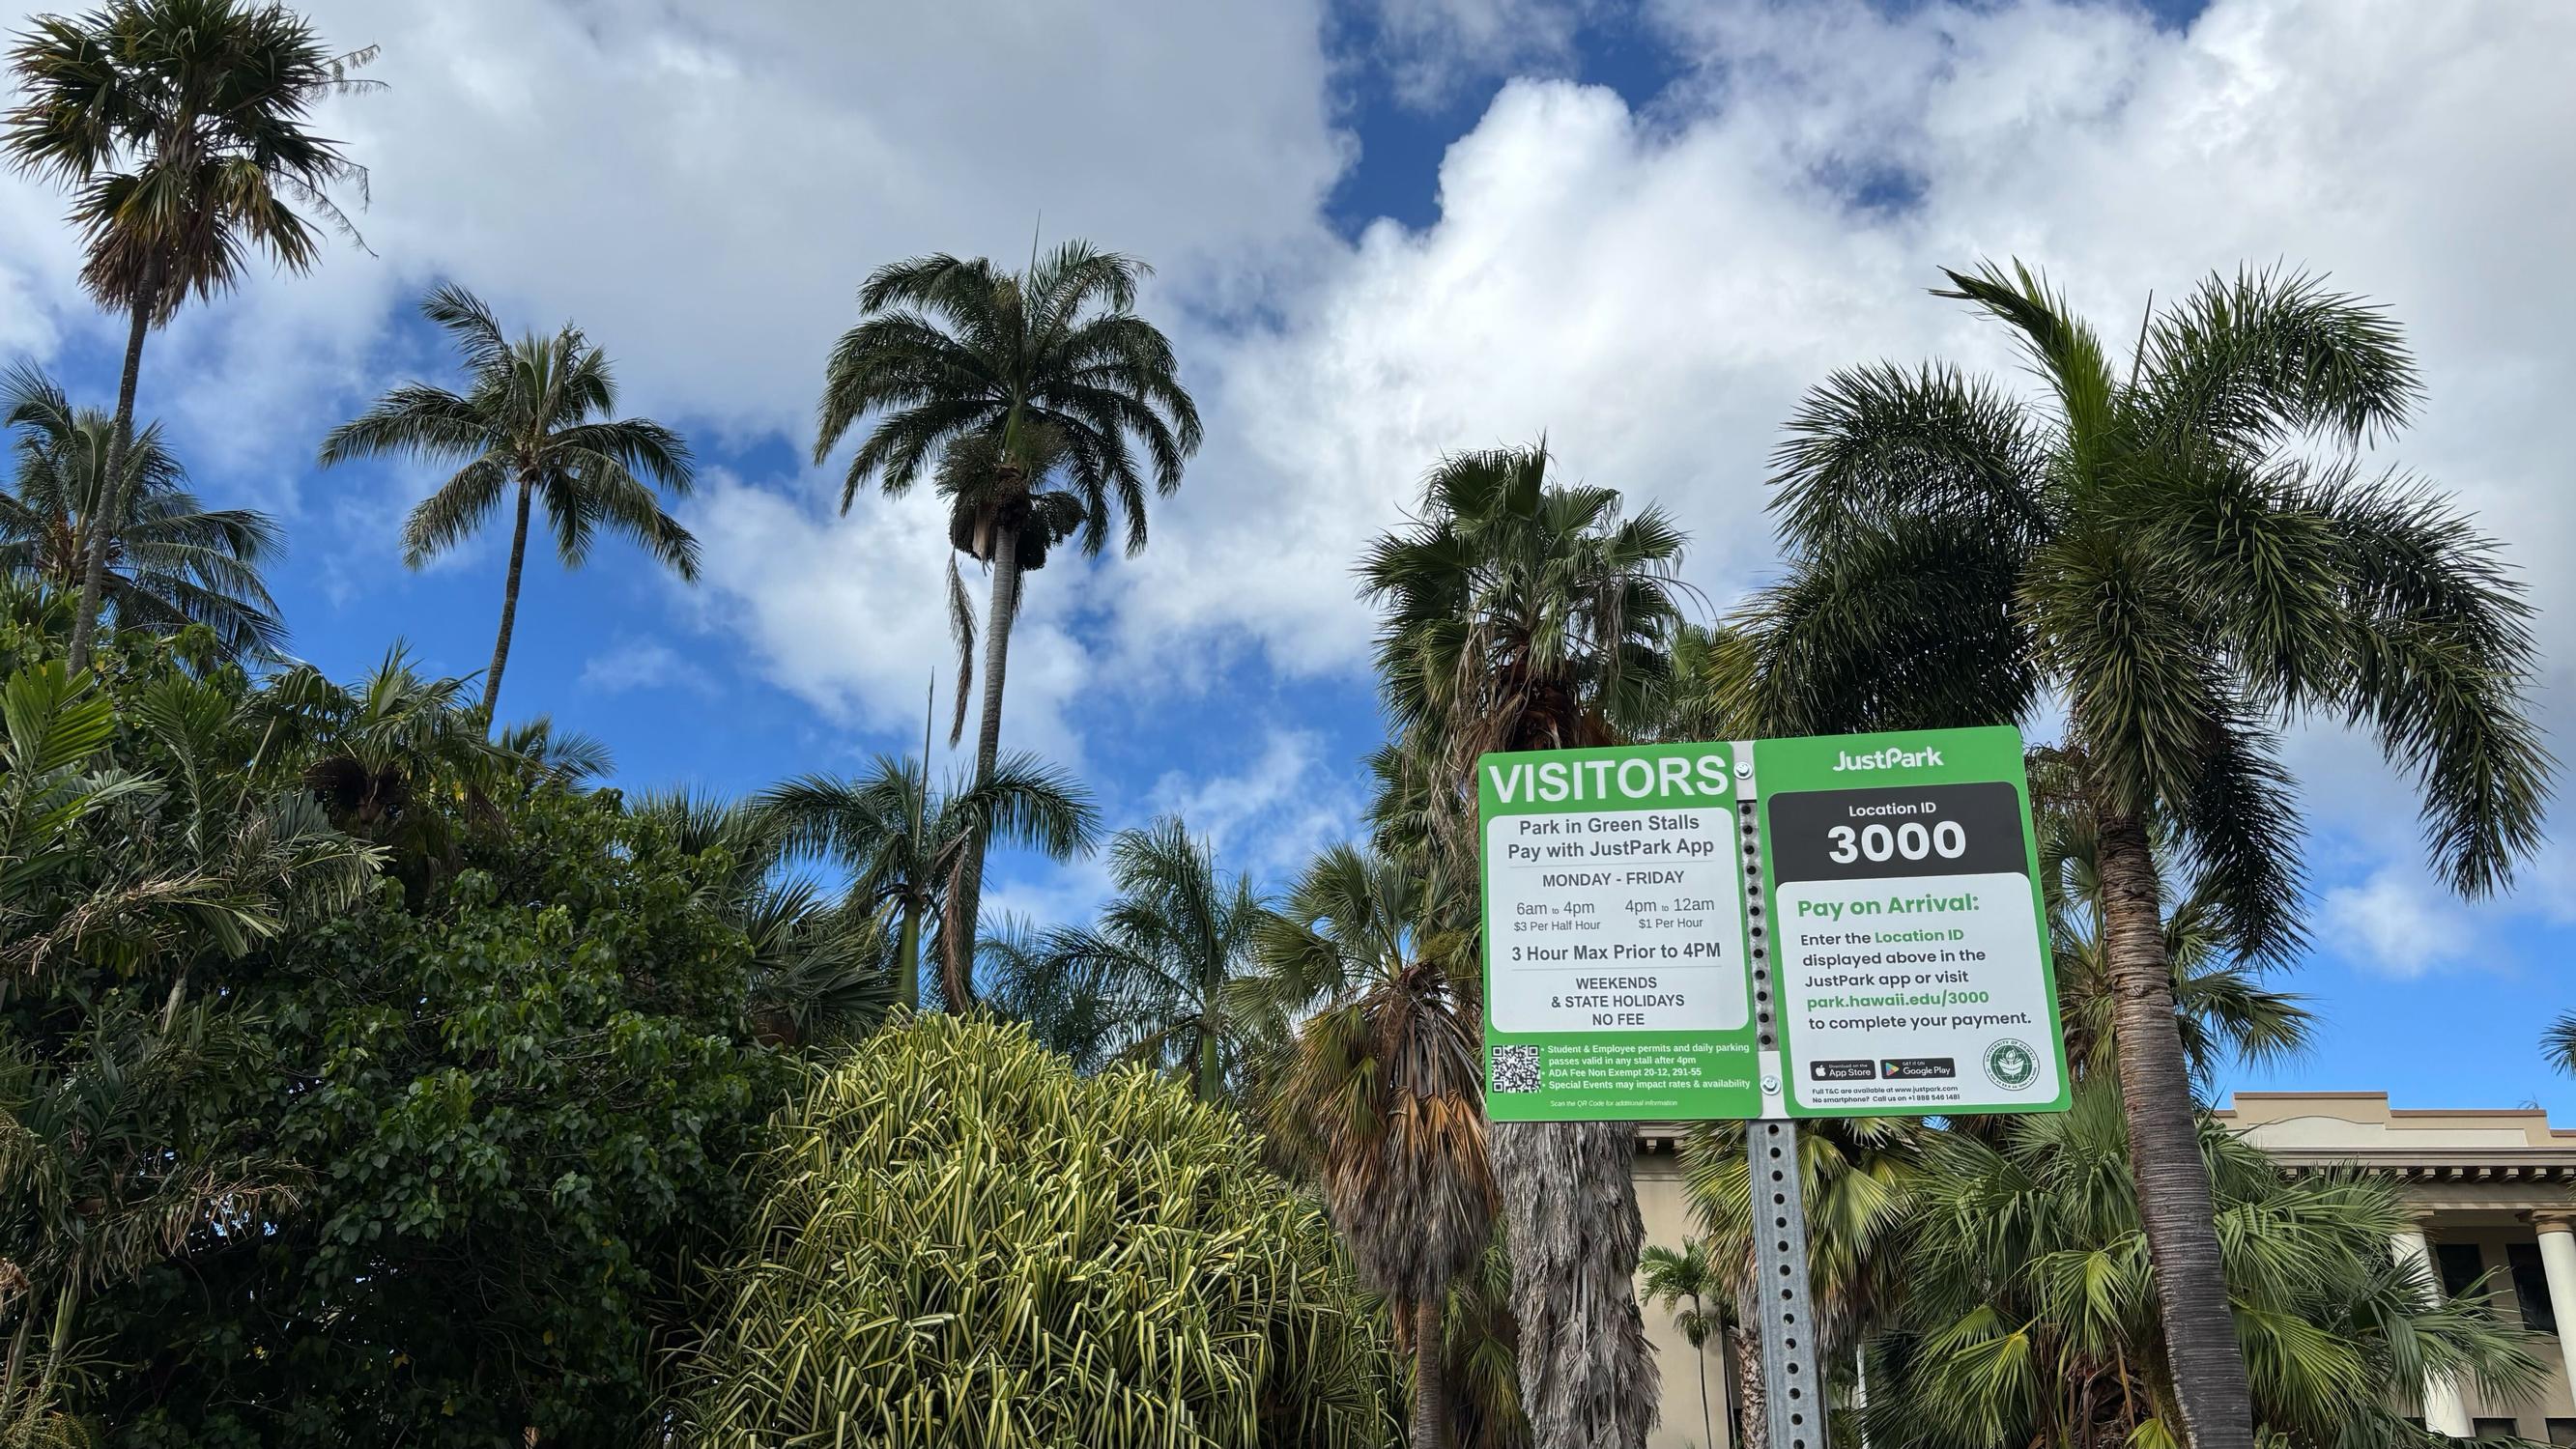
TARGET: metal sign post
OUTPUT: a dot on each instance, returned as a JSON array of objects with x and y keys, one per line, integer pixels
[{"x": 1795, "y": 1401}]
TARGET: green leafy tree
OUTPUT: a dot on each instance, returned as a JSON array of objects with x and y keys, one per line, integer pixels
[
  {"x": 1383, "y": 1087},
  {"x": 905, "y": 847},
  {"x": 171, "y": 561},
  {"x": 1030, "y": 394},
  {"x": 1521, "y": 615},
  {"x": 2030, "y": 1315},
  {"x": 536, "y": 423},
  {"x": 2153, "y": 545},
  {"x": 958, "y": 1240},
  {"x": 1689, "y": 1282},
  {"x": 180, "y": 128},
  {"x": 1174, "y": 953}
]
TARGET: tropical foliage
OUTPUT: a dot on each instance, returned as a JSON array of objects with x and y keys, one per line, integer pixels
[
  {"x": 179, "y": 126},
  {"x": 536, "y": 424},
  {"x": 905, "y": 848},
  {"x": 2030, "y": 1314},
  {"x": 958, "y": 1240},
  {"x": 170, "y": 560},
  {"x": 1519, "y": 614},
  {"x": 2156, "y": 545},
  {"x": 1030, "y": 395}
]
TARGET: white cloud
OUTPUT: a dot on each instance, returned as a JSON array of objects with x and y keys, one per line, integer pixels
[
  {"x": 1432, "y": 47},
  {"x": 2398, "y": 923},
  {"x": 643, "y": 664},
  {"x": 1270, "y": 817},
  {"x": 850, "y": 612}
]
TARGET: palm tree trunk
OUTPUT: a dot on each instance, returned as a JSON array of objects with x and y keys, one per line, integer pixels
[
  {"x": 907, "y": 960},
  {"x": 111, "y": 499},
  {"x": 1430, "y": 1387},
  {"x": 1707, "y": 1421},
  {"x": 1211, "y": 1079},
  {"x": 1587, "y": 1381},
  {"x": 509, "y": 606},
  {"x": 957, "y": 962},
  {"x": 2164, "y": 1148},
  {"x": 1751, "y": 1408}
]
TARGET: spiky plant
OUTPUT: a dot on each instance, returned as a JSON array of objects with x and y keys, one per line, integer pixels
[
  {"x": 180, "y": 128},
  {"x": 1029, "y": 393},
  {"x": 1523, "y": 615},
  {"x": 535, "y": 424},
  {"x": 2154, "y": 543},
  {"x": 959, "y": 1241}
]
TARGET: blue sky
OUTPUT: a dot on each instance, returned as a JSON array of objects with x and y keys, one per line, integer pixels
[{"x": 1382, "y": 230}]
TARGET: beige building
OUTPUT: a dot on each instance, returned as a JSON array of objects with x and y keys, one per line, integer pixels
[{"x": 2494, "y": 1194}]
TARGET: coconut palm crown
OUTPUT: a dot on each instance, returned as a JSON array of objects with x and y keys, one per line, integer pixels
[
  {"x": 535, "y": 423},
  {"x": 171, "y": 561},
  {"x": 2182, "y": 547}
]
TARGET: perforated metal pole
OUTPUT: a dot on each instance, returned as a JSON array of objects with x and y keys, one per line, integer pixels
[{"x": 1793, "y": 1392}]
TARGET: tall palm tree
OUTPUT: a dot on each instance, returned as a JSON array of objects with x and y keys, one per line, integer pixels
[
  {"x": 1689, "y": 1275},
  {"x": 1384, "y": 1087},
  {"x": 1521, "y": 615},
  {"x": 1175, "y": 952},
  {"x": 535, "y": 422},
  {"x": 904, "y": 847},
  {"x": 179, "y": 125},
  {"x": 2151, "y": 545},
  {"x": 171, "y": 561},
  {"x": 1030, "y": 393}
]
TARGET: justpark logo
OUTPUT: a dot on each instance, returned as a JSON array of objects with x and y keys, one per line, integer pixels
[{"x": 1890, "y": 758}]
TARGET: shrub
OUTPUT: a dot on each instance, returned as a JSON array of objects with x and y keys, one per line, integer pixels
[{"x": 959, "y": 1241}]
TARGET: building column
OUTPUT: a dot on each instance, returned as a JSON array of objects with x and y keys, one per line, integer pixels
[
  {"x": 2558, "y": 1259},
  {"x": 2445, "y": 1412}
]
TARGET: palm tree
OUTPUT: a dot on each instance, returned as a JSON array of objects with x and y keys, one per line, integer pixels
[
  {"x": 1520, "y": 615},
  {"x": 534, "y": 420},
  {"x": 171, "y": 561},
  {"x": 2030, "y": 1313},
  {"x": 905, "y": 848},
  {"x": 180, "y": 127},
  {"x": 1672, "y": 1277},
  {"x": 1384, "y": 1087},
  {"x": 1009, "y": 383},
  {"x": 2153, "y": 548},
  {"x": 1174, "y": 952}
]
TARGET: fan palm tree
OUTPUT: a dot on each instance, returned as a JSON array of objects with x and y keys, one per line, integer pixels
[
  {"x": 2152, "y": 546},
  {"x": 180, "y": 127},
  {"x": 1521, "y": 615},
  {"x": 1174, "y": 951},
  {"x": 535, "y": 422},
  {"x": 1384, "y": 1088},
  {"x": 2030, "y": 1313},
  {"x": 1673, "y": 1277},
  {"x": 905, "y": 847},
  {"x": 171, "y": 561},
  {"x": 1030, "y": 393}
]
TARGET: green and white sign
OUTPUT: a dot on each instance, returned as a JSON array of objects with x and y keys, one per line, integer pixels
[
  {"x": 1899, "y": 916},
  {"x": 1910, "y": 944},
  {"x": 1615, "y": 975}
]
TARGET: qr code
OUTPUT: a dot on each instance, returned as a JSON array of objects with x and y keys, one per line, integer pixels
[{"x": 1516, "y": 1069}]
